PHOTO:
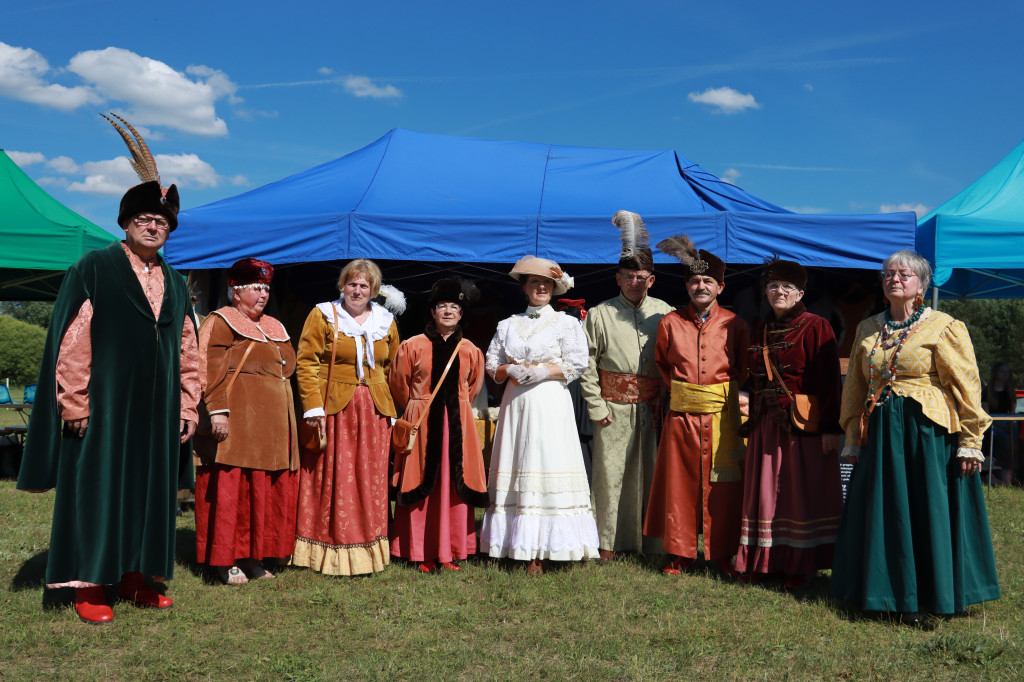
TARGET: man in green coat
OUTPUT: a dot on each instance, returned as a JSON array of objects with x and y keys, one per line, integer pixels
[
  {"x": 115, "y": 412},
  {"x": 622, "y": 390}
]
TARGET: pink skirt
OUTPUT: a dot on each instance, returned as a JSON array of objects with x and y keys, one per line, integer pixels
[
  {"x": 440, "y": 527},
  {"x": 792, "y": 501},
  {"x": 342, "y": 526},
  {"x": 244, "y": 514}
]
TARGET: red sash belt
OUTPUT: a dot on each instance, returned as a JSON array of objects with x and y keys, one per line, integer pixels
[{"x": 628, "y": 388}]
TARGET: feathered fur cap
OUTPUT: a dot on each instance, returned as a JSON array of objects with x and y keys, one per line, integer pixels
[
  {"x": 699, "y": 262},
  {"x": 148, "y": 196},
  {"x": 778, "y": 270},
  {"x": 542, "y": 267},
  {"x": 250, "y": 271},
  {"x": 453, "y": 290},
  {"x": 636, "y": 244}
]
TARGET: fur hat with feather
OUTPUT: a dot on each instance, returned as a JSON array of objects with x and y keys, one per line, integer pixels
[
  {"x": 148, "y": 196},
  {"x": 697, "y": 261},
  {"x": 636, "y": 243}
]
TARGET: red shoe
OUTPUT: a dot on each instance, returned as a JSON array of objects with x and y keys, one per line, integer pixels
[
  {"x": 606, "y": 555},
  {"x": 450, "y": 566},
  {"x": 677, "y": 566},
  {"x": 134, "y": 589},
  {"x": 91, "y": 605},
  {"x": 427, "y": 567}
]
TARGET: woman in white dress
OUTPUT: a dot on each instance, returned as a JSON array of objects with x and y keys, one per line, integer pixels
[{"x": 540, "y": 499}]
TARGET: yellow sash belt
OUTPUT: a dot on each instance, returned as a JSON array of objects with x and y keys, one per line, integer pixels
[{"x": 722, "y": 402}]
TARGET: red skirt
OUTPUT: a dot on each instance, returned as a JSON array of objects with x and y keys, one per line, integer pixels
[
  {"x": 244, "y": 514},
  {"x": 342, "y": 526},
  {"x": 440, "y": 527}
]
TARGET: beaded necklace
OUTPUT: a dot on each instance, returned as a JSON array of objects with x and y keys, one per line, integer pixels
[{"x": 888, "y": 339}]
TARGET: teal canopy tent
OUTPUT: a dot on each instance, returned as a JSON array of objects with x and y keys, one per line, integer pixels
[
  {"x": 40, "y": 238},
  {"x": 975, "y": 240}
]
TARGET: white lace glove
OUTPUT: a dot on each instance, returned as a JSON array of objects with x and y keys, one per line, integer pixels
[
  {"x": 533, "y": 375},
  {"x": 517, "y": 372}
]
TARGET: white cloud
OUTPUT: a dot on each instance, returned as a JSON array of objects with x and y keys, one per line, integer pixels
[
  {"x": 112, "y": 177},
  {"x": 325, "y": 71},
  {"x": 62, "y": 164},
  {"x": 808, "y": 87},
  {"x": 919, "y": 209},
  {"x": 239, "y": 180},
  {"x": 156, "y": 94},
  {"x": 731, "y": 175},
  {"x": 25, "y": 158},
  {"x": 361, "y": 86},
  {"x": 725, "y": 100},
  {"x": 22, "y": 72}
]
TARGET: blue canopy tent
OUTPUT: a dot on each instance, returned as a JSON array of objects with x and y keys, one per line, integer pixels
[
  {"x": 431, "y": 198},
  {"x": 975, "y": 241}
]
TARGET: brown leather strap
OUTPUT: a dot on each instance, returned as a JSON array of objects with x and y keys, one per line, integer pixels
[
  {"x": 334, "y": 353},
  {"x": 231, "y": 382},
  {"x": 438, "y": 387},
  {"x": 770, "y": 368}
]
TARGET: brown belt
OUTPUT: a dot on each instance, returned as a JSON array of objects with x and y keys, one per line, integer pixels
[{"x": 628, "y": 388}]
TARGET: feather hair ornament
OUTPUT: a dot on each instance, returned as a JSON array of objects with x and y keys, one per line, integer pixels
[
  {"x": 681, "y": 248},
  {"x": 394, "y": 300},
  {"x": 631, "y": 231},
  {"x": 142, "y": 159}
]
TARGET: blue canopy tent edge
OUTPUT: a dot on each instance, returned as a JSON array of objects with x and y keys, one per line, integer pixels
[
  {"x": 433, "y": 198},
  {"x": 975, "y": 241}
]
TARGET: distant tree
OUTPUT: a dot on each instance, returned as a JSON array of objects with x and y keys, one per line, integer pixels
[
  {"x": 997, "y": 331},
  {"x": 33, "y": 312},
  {"x": 21, "y": 349}
]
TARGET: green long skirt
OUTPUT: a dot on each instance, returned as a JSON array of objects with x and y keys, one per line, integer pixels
[{"x": 914, "y": 532}]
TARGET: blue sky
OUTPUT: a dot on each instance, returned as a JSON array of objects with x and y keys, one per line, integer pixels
[{"x": 812, "y": 105}]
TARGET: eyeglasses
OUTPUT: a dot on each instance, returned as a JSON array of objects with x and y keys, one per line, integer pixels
[
  {"x": 634, "y": 279},
  {"x": 784, "y": 288},
  {"x": 903, "y": 275},
  {"x": 156, "y": 221},
  {"x": 454, "y": 307}
]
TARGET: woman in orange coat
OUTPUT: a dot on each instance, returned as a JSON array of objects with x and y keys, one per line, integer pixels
[{"x": 441, "y": 479}]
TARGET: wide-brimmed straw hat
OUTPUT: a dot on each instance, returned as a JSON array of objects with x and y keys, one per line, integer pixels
[{"x": 542, "y": 267}]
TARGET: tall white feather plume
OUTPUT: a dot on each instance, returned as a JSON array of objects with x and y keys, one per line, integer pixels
[
  {"x": 631, "y": 231},
  {"x": 394, "y": 300}
]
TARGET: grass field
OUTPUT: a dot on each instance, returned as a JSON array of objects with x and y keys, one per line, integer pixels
[{"x": 585, "y": 621}]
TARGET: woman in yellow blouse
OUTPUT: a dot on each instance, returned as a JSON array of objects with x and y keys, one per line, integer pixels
[
  {"x": 914, "y": 533},
  {"x": 343, "y": 491}
]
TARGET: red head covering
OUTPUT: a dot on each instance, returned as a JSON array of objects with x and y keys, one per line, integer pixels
[{"x": 250, "y": 271}]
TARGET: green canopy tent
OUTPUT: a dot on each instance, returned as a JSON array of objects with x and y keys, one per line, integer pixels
[{"x": 39, "y": 237}]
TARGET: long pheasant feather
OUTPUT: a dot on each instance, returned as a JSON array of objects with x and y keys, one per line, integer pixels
[
  {"x": 141, "y": 159},
  {"x": 631, "y": 231},
  {"x": 679, "y": 247}
]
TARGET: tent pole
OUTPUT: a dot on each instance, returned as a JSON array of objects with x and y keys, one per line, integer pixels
[{"x": 935, "y": 298}]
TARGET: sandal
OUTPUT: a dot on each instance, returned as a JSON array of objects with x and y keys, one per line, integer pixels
[
  {"x": 232, "y": 576},
  {"x": 254, "y": 569}
]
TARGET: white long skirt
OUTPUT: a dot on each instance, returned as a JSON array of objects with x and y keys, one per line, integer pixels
[{"x": 540, "y": 499}]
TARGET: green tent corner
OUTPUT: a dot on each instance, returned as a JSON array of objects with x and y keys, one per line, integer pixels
[{"x": 40, "y": 237}]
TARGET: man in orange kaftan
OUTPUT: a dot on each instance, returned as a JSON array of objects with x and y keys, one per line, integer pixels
[{"x": 701, "y": 352}]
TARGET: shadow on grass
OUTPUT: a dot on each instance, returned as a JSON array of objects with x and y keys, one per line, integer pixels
[{"x": 32, "y": 576}]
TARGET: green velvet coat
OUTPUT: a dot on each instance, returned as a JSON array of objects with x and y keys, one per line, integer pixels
[{"x": 116, "y": 488}]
